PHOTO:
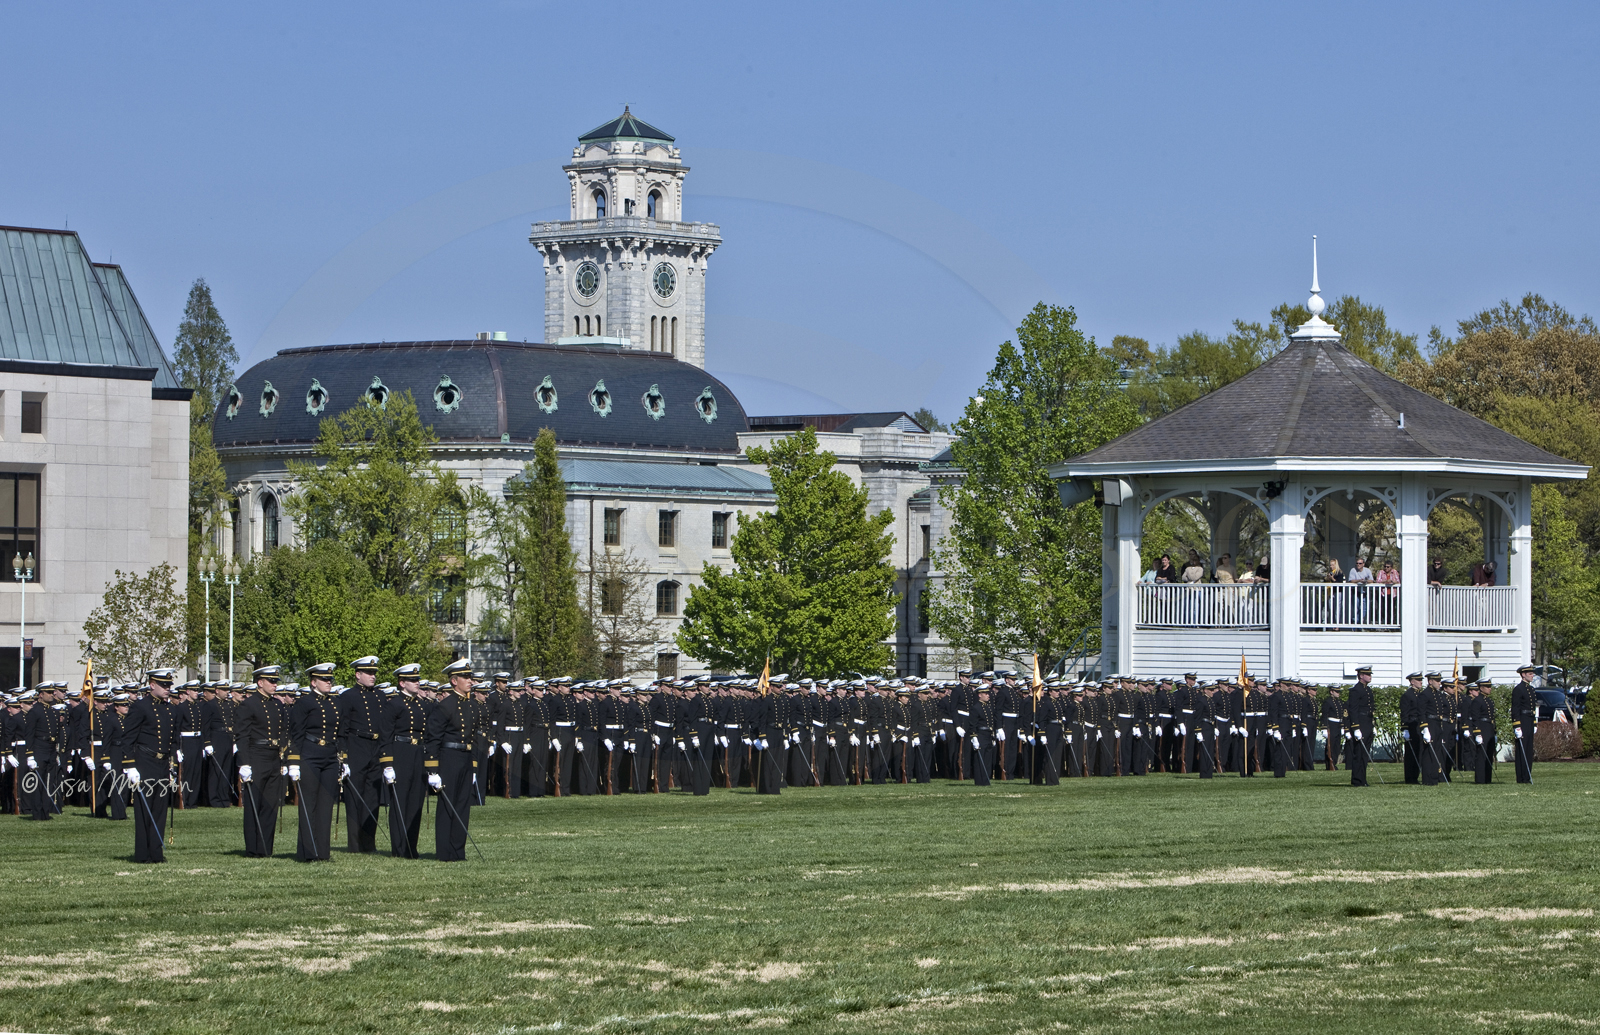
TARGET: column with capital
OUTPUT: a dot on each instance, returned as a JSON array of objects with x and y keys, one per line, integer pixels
[
  {"x": 1411, "y": 535},
  {"x": 1287, "y": 529}
]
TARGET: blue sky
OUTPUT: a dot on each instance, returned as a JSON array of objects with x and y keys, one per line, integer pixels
[{"x": 896, "y": 184}]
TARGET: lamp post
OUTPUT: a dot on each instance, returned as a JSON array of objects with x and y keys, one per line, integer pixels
[
  {"x": 208, "y": 574},
  {"x": 23, "y": 570},
  {"x": 230, "y": 578}
]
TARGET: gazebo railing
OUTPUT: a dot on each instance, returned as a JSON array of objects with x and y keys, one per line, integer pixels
[
  {"x": 1182, "y": 605},
  {"x": 1472, "y": 608},
  {"x": 1339, "y": 605}
]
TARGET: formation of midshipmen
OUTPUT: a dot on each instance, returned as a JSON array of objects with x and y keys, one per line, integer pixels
[{"x": 376, "y": 748}]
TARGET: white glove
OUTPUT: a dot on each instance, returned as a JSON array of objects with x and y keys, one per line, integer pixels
[
  {"x": 246, "y": 773},
  {"x": 1155, "y": 731},
  {"x": 507, "y": 748},
  {"x": 1000, "y": 734},
  {"x": 695, "y": 741},
  {"x": 1118, "y": 733},
  {"x": 975, "y": 744},
  {"x": 131, "y": 774},
  {"x": 388, "y": 774},
  {"x": 855, "y": 741},
  {"x": 960, "y": 732},
  {"x": 656, "y": 739},
  {"x": 631, "y": 746},
  {"x": 607, "y": 742},
  {"x": 1200, "y": 735},
  {"x": 283, "y": 770},
  {"x": 1405, "y": 734},
  {"x": 493, "y": 747},
  {"x": 1277, "y": 735},
  {"x": 34, "y": 764},
  {"x": 1517, "y": 730},
  {"x": 526, "y": 747},
  {"x": 103, "y": 765},
  {"x": 345, "y": 771},
  {"x": 1427, "y": 735},
  {"x": 762, "y": 743},
  {"x": 179, "y": 754},
  {"x": 916, "y": 741},
  {"x": 1069, "y": 738},
  {"x": 1183, "y": 729},
  {"x": 436, "y": 781},
  {"x": 942, "y": 736},
  {"x": 555, "y": 745},
  {"x": 577, "y": 745},
  {"x": 1358, "y": 733},
  {"x": 208, "y": 752},
  {"x": 1478, "y": 739},
  {"x": 294, "y": 773},
  {"x": 831, "y": 743},
  {"x": 1137, "y": 732},
  {"x": 794, "y": 738}
]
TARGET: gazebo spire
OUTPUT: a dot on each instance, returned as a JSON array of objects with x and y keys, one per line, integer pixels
[{"x": 1315, "y": 329}]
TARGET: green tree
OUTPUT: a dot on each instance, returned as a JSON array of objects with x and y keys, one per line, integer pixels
[
  {"x": 1566, "y": 597},
  {"x": 299, "y": 607},
  {"x": 1197, "y": 365},
  {"x": 550, "y": 632},
  {"x": 138, "y": 625},
  {"x": 1363, "y": 329},
  {"x": 811, "y": 584},
  {"x": 620, "y": 615},
  {"x": 203, "y": 352},
  {"x": 378, "y": 493},
  {"x": 925, "y": 417},
  {"x": 1524, "y": 319},
  {"x": 1022, "y": 571}
]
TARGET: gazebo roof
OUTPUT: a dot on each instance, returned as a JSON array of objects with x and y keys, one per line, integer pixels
[{"x": 1316, "y": 406}]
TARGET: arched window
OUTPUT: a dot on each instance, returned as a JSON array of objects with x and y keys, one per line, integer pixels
[
  {"x": 269, "y": 523},
  {"x": 597, "y": 329},
  {"x": 233, "y": 526},
  {"x": 585, "y": 325},
  {"x": 652, "y": 334},
  {"x": 674, "y": 349},
  {"x": 667, "y": 598},
  {"x": 577, "y": 325},
  {"x": 599, "y": 204},
  {"x": 651, "y": 204}
]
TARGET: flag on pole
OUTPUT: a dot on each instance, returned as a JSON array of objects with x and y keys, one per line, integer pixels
[
  {"x": 1038, "y": 684},
  {"x": 766, "y": 675},
  {"x": 1244, "y": 668},
  {"x": 1455, "y": 677},
  {"x": 88, "y": 704}
]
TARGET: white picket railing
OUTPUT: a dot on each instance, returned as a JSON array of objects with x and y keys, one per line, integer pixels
[
  {"x": 1340, "y": 605},
  {"x": 1203, "y": 605},
  {"x": 1472, "y": 608}
]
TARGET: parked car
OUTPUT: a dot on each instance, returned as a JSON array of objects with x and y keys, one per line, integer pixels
[
  {"x": 1552, "y": 701},
  {"x": 1578, "y": 697}
]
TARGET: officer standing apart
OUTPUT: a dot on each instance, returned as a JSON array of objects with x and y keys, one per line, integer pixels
[
  {"x": 150, "y": 737},
  {"x": 1358, "y": 726},
  {"x": 452, "y": 733},
  {"x": 1524, "y": 713},
  {"x": 360, "y": 719}
]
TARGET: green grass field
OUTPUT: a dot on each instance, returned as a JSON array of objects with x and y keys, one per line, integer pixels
[{"x": 1158, "y": 903}]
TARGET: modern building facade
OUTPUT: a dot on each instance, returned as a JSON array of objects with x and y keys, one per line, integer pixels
[{"x": 94, "y": 446}]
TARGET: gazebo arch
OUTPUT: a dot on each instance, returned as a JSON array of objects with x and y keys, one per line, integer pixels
[{"x": 1312, "y": 421}]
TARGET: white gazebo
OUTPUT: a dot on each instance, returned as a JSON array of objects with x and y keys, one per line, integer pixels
[{"x": 1315, "y": 434}]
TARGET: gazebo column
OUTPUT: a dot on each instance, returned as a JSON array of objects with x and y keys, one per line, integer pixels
[
  {"x": 1521, "y": 573},
  {"x": 1411, "y": 531},
  {"x": 1130, "y": 531},
  {"x": 1288, "y": 532}
]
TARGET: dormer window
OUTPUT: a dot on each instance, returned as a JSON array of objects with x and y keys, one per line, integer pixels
[
  {"x": 269, "y": 399},
  {"x": 378, "y": 393},
  {"x": 599, "y": 204},
  {"x": 600, "y": 399}
]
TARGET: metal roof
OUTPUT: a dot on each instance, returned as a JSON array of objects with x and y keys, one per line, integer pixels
[
  {"x": 582, "y": 473},
  {"x": 488, "y": 393},
  {"x": 625, "y": 127},
  {"x": 58, "y": 307},
  {"x": 899, "y": 420}
]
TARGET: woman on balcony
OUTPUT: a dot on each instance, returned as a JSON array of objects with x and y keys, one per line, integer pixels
[
  {"x": 1194, "y": 571},
  {"x": 1166, "y": 571},
  {"x": 1224, "y": 573},
  {"x": 1389, "y": 579}
]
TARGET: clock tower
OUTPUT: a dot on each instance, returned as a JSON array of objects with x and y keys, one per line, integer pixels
[{"x": 625, "y": 269}]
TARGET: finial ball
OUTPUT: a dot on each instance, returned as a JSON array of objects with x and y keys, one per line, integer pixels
[{"x": 1316, "y": 305}]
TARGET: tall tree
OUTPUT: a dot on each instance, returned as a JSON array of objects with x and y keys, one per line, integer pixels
[
  {"x": 138, "y": 625},
  {"x": 379, "y": 494},
  {"x": 1161, "y": 380},
  {"x": 926, "y": 418},
  {"x": 811, "y": 585},
  {"x": 203, "y": 353},
  {"x": 1022, "y": 571},
  {"x": 549, "y": 623}
]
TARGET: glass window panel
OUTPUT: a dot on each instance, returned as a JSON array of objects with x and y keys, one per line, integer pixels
[
  {"x": 8, "y": 500},
  {"x": 28, "y": 501}
]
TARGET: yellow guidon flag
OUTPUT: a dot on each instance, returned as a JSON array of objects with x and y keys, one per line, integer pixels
[
  {"x": 1038, "y": 684},
  {"x": 1244, "y": 670},
  {"x": 766, "y": 677},
  {"x": 88, "y": 704},
  {"x": 1455, "y": 676}
]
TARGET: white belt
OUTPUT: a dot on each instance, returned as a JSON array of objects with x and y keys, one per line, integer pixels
[
  {"x": 660, "y": 723},
  {"x": 1008, "y": 715},
  {"x": 564, "y": 724},
  {"x": 513, "y": 729},
  {"x": 730, "y": 725},
  {"x": 1124, "y": 715},
  {"x": 97, "y": 743},
  {"x": 617, "y": 726},
  {"x": 960, "y": 712},
  {"x": 189, "y": 733}
]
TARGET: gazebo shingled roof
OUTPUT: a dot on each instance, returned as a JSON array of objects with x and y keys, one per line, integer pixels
[{"x": 1316, "y": 399}]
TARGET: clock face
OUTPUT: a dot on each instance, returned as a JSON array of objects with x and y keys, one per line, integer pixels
[
  {"x": 665, "y": 279},
  {"x": 587, "y": 280}
]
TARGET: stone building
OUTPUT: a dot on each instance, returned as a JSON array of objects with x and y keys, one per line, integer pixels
[{"x": 94, "y": 445}]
